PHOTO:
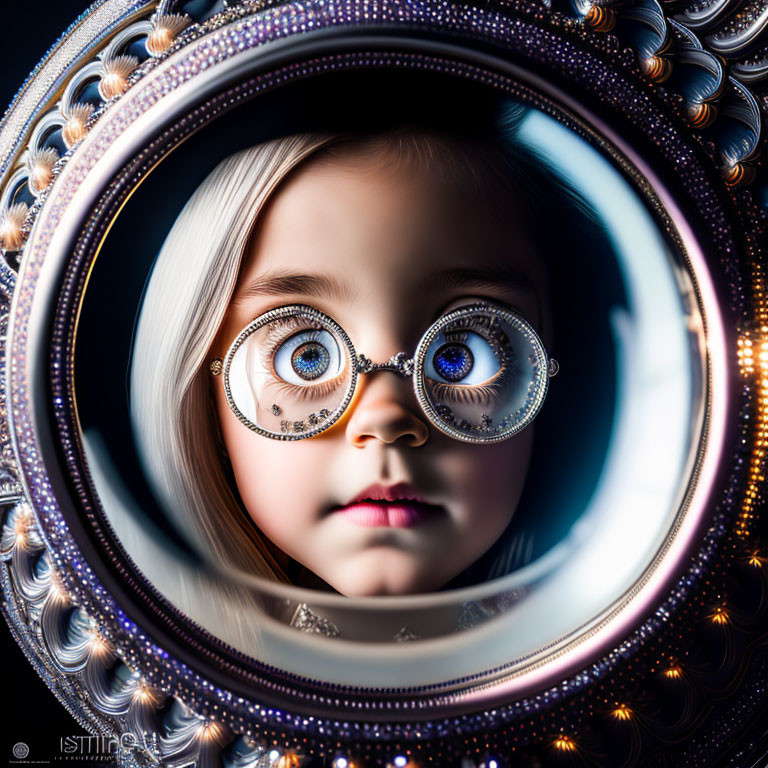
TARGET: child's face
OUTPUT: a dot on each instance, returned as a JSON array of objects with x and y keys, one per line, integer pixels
[{"x": 383, "y": 249}]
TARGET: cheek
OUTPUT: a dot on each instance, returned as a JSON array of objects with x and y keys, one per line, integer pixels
[
  {"x": 488, "y": 479},
  {"x": 280, "y": 483}
]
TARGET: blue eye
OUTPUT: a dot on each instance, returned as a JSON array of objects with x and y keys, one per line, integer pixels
[
  {"x": 470, "y": 360},
  {"x": 310, "y": 360},
  {"x": 308, "y": 356},
  {"x": 453, "y": 361}
]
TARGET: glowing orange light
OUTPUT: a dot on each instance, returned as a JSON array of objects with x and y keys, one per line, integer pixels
[
  {"x": 752, "y": 357},
  {"x": 98, "y": 644},
  {"x": 20, "y": 529},
  {"x": 719, "y": 616},
  {"x": 673, "y": 673},
  {"x": 288, "y": 760},
  {"x": 656, "y": 68},
  {"x": 56, "y": 592},
  {"x": 622, "y": 712},
  {"x": 145, "y": 695},
  {"x": 601, "y": 19},
  {"x": 209, "y": 730},
  {"x": 565, "y": 743},
  {"x": 11, "y": 232},
  {"x": 755, "y": 560}
]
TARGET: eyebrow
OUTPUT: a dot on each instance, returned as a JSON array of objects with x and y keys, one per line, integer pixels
[
  {"x": 483, "y": 277},
  {"x": 281, "y": 282}
]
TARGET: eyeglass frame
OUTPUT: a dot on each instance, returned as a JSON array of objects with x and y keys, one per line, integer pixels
[{"x": 399, "y": 363}]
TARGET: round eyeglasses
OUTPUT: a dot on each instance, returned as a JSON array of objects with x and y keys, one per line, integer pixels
[{"x": 480, "y": 373}]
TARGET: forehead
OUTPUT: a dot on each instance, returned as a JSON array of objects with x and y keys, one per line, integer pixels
[{"x": 369, "y": 225}]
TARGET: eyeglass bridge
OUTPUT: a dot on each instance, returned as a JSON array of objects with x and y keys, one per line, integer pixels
[
  {"x": 402, "y": 364},
  {"x": 399, "y": 363}
]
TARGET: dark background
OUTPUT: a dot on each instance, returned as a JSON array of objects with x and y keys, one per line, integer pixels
[{"x": 31, "y": 713}]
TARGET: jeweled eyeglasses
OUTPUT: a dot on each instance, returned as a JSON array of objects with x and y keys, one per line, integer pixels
[{"x": 480, "y": 373}]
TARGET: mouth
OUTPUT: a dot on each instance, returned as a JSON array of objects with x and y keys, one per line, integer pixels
[{"x": 395, "y": 506}]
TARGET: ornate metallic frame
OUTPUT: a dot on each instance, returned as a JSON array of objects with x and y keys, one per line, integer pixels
[
  {"x": 311, "y": 314},
  {"x": 692, "y": 82},
  {"x": 399, "y": 363}
]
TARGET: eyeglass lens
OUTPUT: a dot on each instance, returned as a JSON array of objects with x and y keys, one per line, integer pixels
[{"x": 480, "y": 373}]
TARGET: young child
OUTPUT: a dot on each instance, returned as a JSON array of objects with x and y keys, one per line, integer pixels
[{"x": 364, "y": 241}]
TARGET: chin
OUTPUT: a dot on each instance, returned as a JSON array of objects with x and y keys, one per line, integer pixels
[{"x": 383, "y": 574}]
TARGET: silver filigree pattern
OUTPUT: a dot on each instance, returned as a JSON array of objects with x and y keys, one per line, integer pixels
[
  {"x": 399, "y": 363},
  {"x": 306, "y": 620}
]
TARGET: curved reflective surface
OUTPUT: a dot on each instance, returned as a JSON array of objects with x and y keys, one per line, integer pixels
[{"x": 624, "y": 425}]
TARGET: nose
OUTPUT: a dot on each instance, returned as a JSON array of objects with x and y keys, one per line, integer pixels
[{"x": 383, "y": 412}]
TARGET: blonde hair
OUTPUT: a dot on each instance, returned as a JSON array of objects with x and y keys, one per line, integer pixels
[
  {"x": 187, "y": 296},
  {"x": 172, "y": 409}
]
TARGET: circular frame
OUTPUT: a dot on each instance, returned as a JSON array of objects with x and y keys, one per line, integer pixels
[
  {"x": 286, "y": 689},
  {"x": 260, "y": 322},
  {"x": 541, "y": 368},
  {"x": 77, "y": 576}
]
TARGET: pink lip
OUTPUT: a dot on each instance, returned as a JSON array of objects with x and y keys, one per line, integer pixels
[{"x": 394, "y": 506}]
